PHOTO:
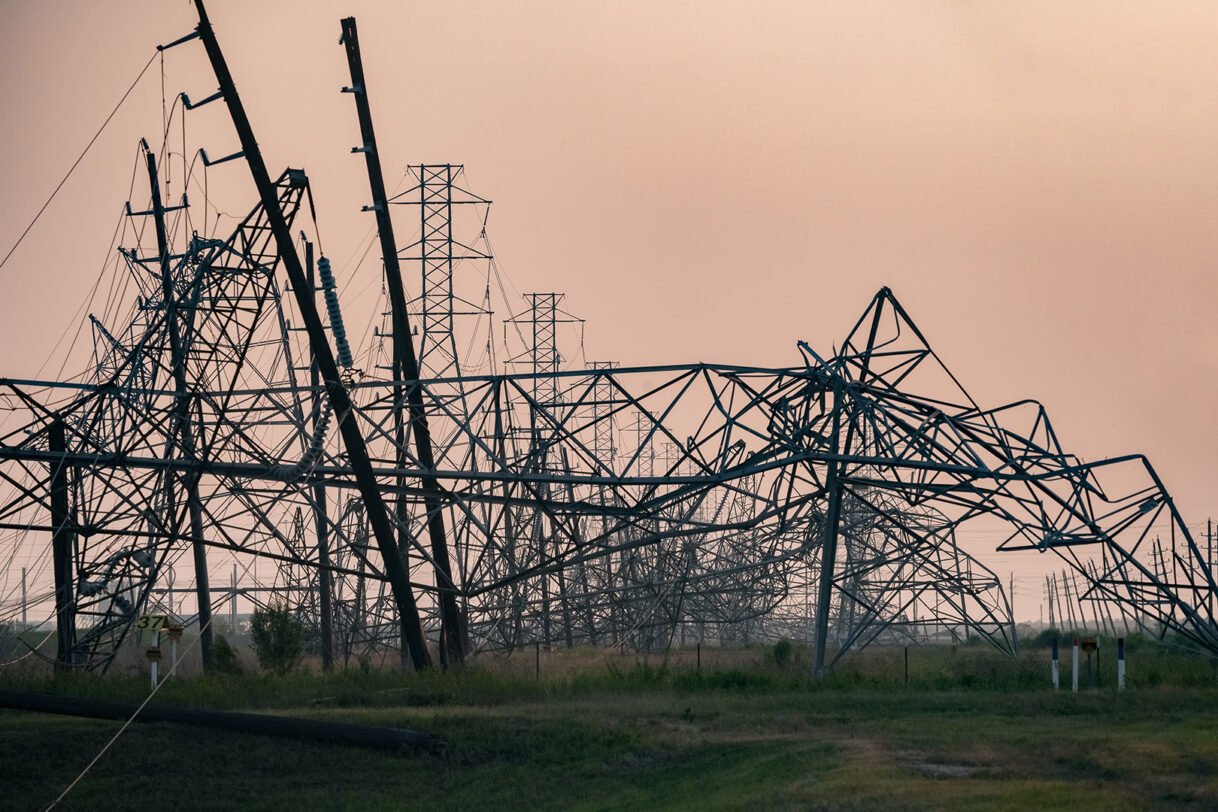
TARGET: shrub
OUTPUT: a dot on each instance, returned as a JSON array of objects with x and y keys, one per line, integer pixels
[
  {"x": 1042, "y": 639},
  {"x": 784, "y": 653},
  {"x": 278, "y": 638},
  {"x": 224, "y": 658}
]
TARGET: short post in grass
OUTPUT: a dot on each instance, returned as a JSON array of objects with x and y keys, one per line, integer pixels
[
  {"x": 699, "y": 656},
  {"x": 232, "y": 597},
  {"x": 1091, "y": 646},
  {"x": 907, "y": 666},
  {"x": 1074, "y": 672},
  {"x": 537, "y": 645},
  {"x": 1056, "y": 668},
  {"x": 154, "y": 656},
  {"x": 1120, "y": 663},
  {"x": 175, "y": 634}
]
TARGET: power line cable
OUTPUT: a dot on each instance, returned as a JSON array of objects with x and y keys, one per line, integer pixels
[{"x": 88, "y": 146}]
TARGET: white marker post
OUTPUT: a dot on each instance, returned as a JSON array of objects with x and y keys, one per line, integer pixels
[
  {"x": 154, "y": 656},
  {"x": 175, "y": 634},
  {"x": 232, "y": 610},
  {"x": 1074, "y": 675},
  {"x": 1056, "y": 668},
  {"x": 1120, "y": 663}
]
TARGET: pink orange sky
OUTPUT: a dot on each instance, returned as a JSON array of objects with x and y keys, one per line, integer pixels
[{"x": 714, "y": 180}]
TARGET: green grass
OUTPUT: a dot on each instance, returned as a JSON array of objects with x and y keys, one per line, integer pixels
[{"x": 971, "y": 730}]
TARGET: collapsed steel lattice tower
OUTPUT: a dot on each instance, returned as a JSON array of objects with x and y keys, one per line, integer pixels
[{"x": 434, "y": 508}]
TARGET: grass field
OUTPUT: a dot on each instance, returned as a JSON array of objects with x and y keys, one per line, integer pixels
[{"x": 971, "y": 729}]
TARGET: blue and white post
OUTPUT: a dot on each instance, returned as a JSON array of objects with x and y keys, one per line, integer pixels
[
  {"x": 1074, "y": 675},
  {"x": 1120, "y": 663},
  {"x": 153, "y": 655},
  {"x": 1056, "y": 667}
]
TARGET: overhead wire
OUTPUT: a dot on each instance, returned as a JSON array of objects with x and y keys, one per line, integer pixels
[
  {"x": 109, "y": 257},
  {"x": 245, "y": 567},
  {"x": 79, "y": 158},
  {"x": 86, "y": 302},
  {"x": 116, "y": 292},
  {"x": 123, "y": 729}
]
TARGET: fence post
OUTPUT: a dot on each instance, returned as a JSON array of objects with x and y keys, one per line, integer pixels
[
  {"x": 232, "y": 612},
  {"x": 1056, "y": 668},
  {"x": 1120, "y": 663},
  {"x": 1074, "y": 675}
]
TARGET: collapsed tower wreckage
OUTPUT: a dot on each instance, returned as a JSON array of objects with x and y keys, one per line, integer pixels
[{"x": 413, "y": 505}]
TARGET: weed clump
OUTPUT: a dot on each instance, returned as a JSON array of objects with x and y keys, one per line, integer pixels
[
  {"x": 784, "y": 653},
  {"x": 278, "y": 638},
  {"x": 224, "y": 658}
]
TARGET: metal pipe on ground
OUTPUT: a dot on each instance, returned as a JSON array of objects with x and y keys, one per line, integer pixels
[{"x": 381, "y": 738}]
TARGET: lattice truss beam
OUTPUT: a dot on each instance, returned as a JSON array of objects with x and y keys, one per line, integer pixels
[
  {"x": 707, "y": 503},
  {"x": 607, "y": 504}
]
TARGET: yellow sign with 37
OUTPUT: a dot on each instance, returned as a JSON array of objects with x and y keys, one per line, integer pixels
[{"x": 152, "y": 623}]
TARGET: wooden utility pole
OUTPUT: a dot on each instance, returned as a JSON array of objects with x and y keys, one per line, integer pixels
[
  {"x": 62, "y": 541},
  {"x": 406, "y": 368},
  {"x": 340, "y": 399},
  {"x": 184, "y": 441}
]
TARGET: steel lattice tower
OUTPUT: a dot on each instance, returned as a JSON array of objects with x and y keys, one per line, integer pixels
[
  {"x": 603, "y": 445},
  {"x": 541, "y": 356},
  {"x": 438, "y": 253},
  {"x": 857, "y": 468}
]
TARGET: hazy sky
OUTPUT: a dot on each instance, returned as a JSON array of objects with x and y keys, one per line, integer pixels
[{"x": 714, "y": 181}]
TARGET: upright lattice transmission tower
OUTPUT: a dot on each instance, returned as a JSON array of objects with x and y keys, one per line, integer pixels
[
  {"x": 601, "y": 412},
  {"x": 438, "y": 253},
  {"x": 541, "y": 358}
]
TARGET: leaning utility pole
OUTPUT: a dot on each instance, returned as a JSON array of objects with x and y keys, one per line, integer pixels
[
  {"x": 62, "y": 542},
  {"x": 185, "y": 431},
  {"x": 340, "y": 399},
  {"x": 405, "y": 366}
]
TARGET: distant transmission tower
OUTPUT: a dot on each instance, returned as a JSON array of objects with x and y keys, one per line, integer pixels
[
  {"x": 541, "y": 356},
  {"x": 537, "y": 327},
  {"x": 603, "y": 446},
  {"x": 438, "y": 253}
]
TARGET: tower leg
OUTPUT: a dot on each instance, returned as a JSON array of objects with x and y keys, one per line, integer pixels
[
  {"x": 828, "y": 556},
  {"x": 61, "y": 549}
]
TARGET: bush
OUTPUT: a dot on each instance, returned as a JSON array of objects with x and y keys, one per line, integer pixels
[
  {"x": 278, "y": 638},
  {"x": 224, "y": 658},
  {"x": 784, "y": 653},
  {"x": 1042, "y": 639}
]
